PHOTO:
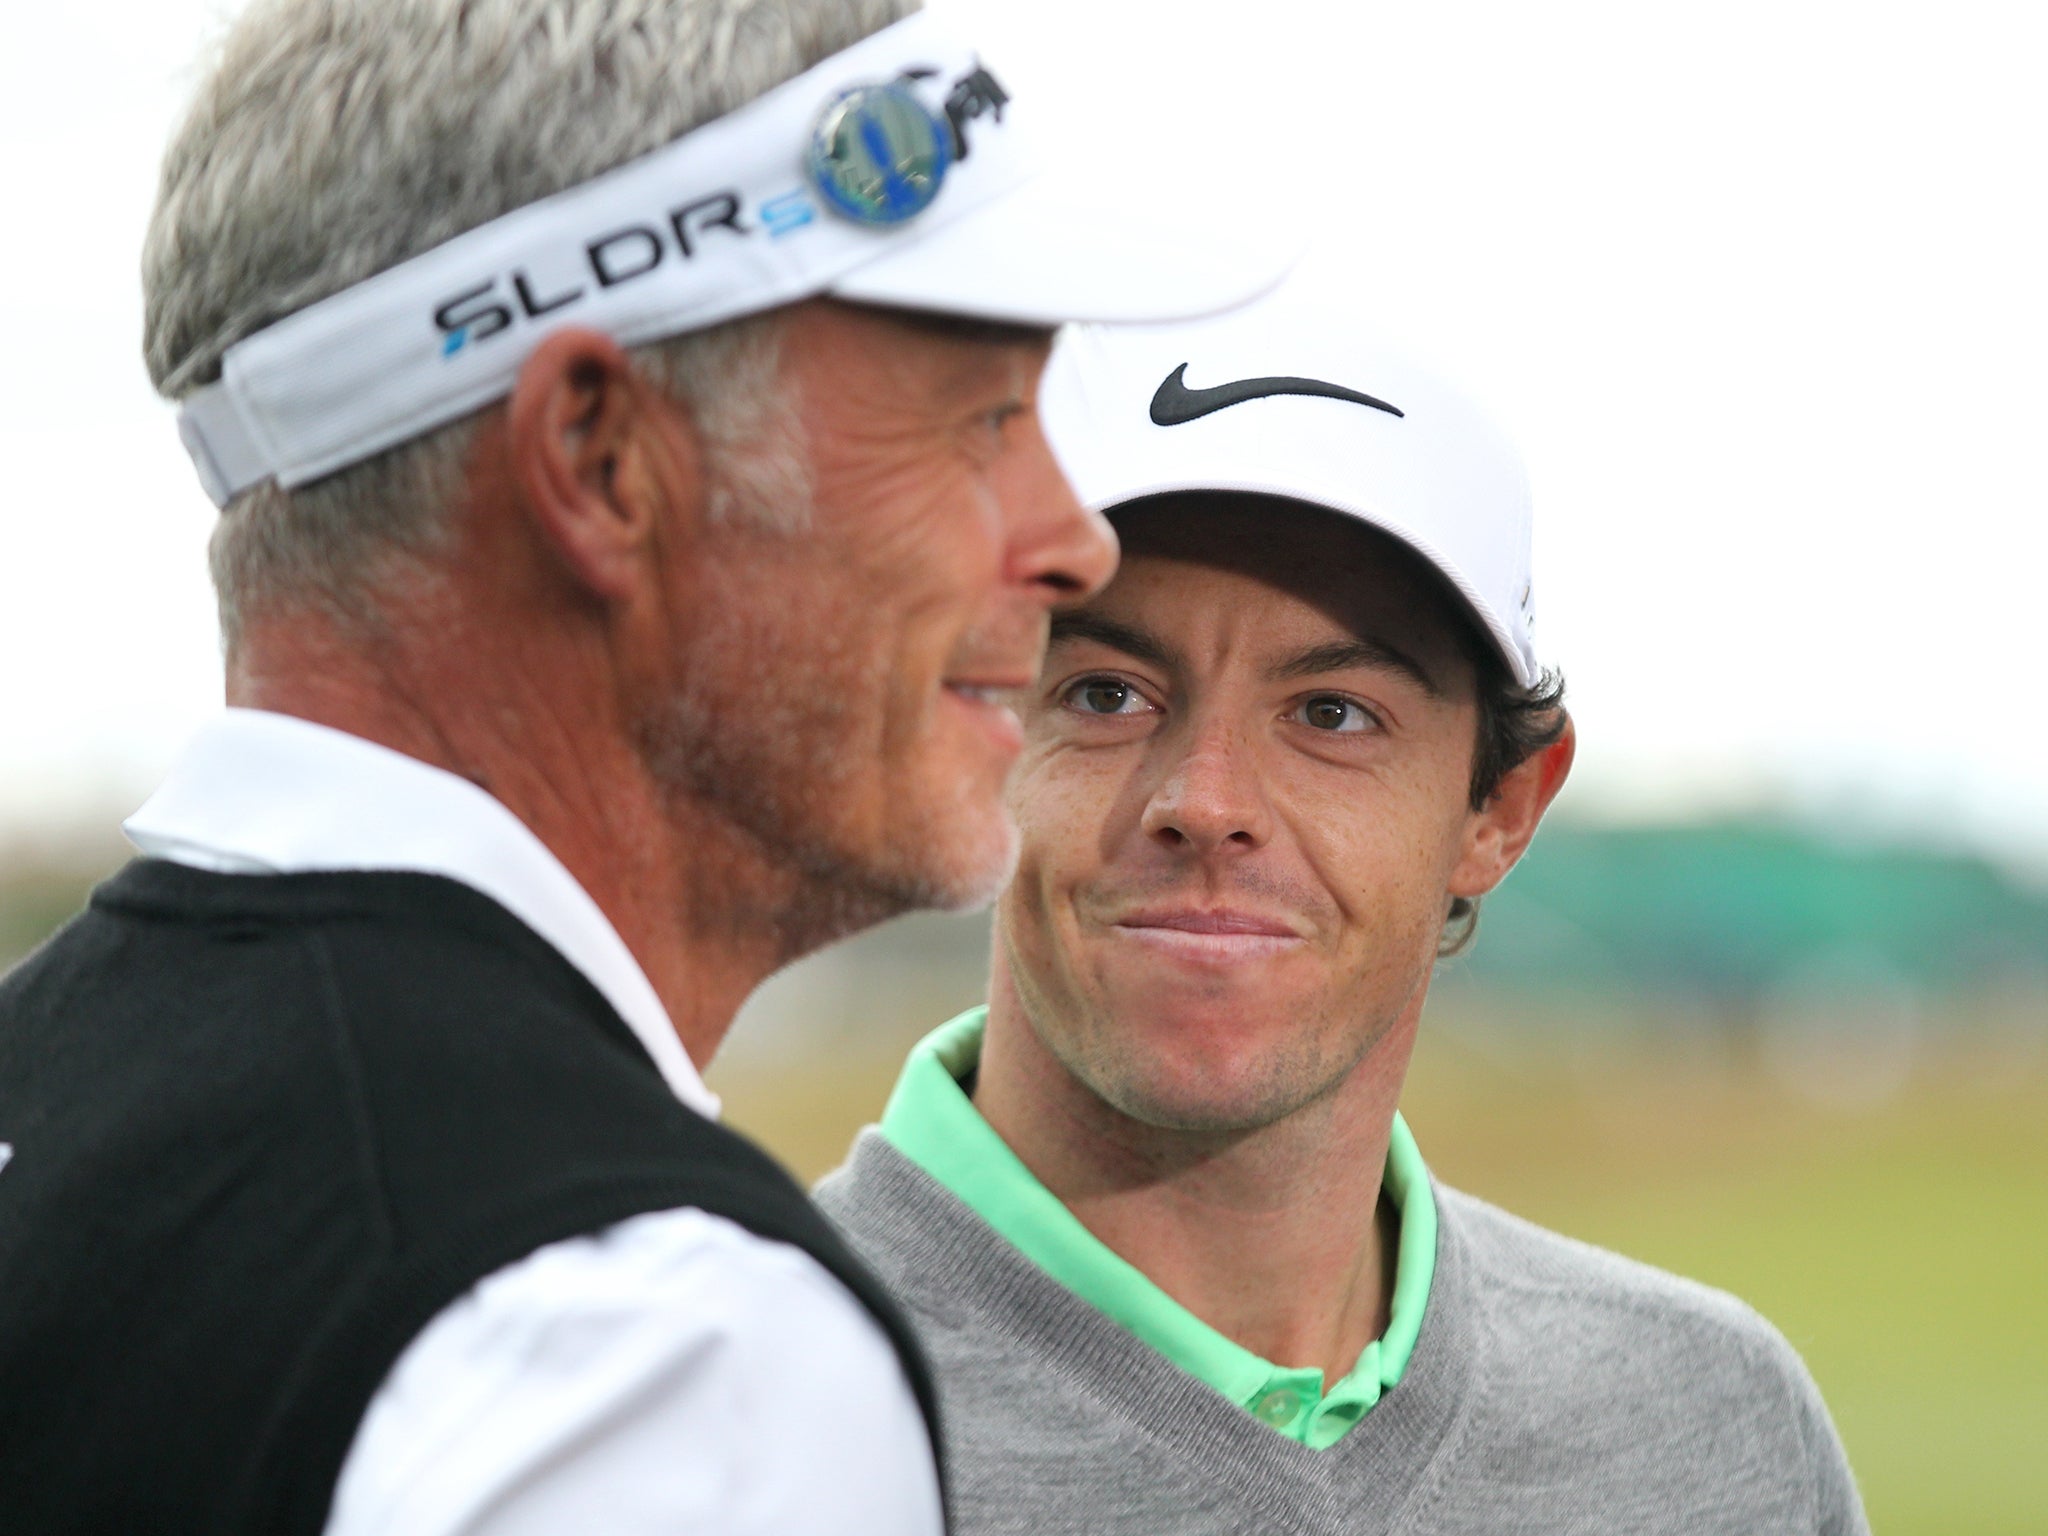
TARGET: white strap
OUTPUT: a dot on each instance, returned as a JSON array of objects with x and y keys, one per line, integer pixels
[{"x": 222, "y": 447}]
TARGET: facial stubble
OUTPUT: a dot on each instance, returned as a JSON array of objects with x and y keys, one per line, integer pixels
[{"x": 775, "y": 729}]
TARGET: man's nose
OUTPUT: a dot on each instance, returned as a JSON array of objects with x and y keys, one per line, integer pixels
[
  {"x": 1211, "y": 798},
  {"x": 1057, "y": 547}
]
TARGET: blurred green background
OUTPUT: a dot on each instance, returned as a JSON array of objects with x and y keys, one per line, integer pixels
[{"x": 1809, "y": 1069}]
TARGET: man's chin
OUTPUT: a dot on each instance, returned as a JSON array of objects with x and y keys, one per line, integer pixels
[
  {"x": 1198, "y": 1070},
  {"x": 951, "y": 845},
  {"x": 968, "y": 868},
  {"x": 942, "y": 863},
  {"x": 1202, "y": 1104}
]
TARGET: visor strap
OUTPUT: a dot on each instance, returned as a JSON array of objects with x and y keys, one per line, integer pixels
[{"x": 222, "y": 445}]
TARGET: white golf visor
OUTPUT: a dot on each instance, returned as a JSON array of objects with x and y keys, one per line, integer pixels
[
  {"x": 1293, "y": 397},
  {"x": 897, "y": 172}
]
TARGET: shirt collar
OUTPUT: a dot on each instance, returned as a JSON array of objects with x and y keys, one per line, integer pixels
[
  {"x": 262, "y": 793},
  {"x": 931, "y": 1121}
]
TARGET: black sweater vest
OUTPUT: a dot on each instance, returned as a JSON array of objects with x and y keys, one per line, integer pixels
[{"x": 264, "y": 1128}]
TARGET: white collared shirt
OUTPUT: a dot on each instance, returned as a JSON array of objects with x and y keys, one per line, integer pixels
[{"x": 672, "y": 1373}]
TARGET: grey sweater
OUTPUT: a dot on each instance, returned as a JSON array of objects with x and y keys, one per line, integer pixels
[{"x": 1555, "y": 1388}]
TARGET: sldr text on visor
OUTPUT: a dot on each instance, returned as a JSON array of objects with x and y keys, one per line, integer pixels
[
  {"x": 495, "y": 306},
  {"x": 679, "y": 233}
]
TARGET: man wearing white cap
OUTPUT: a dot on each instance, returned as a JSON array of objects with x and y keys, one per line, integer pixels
[
  {"x": 1180, "y": 1262},
  {"x": 622, "y": 416}
]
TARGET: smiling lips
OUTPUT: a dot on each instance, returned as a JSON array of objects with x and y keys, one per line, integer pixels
[{"x": 1209, "y": 936}]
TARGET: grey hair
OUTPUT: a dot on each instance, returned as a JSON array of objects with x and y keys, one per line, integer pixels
[{"x": 335, "y": 138}]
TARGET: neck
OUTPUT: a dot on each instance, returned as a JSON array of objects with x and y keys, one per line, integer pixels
[
  {"x": 703, "y": 910},
  {"x": 1277, "y": 1237}
]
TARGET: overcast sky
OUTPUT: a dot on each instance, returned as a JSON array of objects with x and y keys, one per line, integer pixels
[{"x": 1758, "y": 287}]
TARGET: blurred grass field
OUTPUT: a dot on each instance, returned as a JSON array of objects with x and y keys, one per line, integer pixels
[{"x": 1902, "y": 1246}]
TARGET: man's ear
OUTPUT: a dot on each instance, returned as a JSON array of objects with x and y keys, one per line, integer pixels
[
  {"x": 1496, "y": 836},
  {"x": 599, "y": 457}
]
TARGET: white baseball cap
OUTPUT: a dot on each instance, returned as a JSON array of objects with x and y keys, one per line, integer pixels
[
  {"x": 1292, "y": 396},
  {"x": 900, "y": 171}
]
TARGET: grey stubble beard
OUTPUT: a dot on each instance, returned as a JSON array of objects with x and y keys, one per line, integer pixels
[{"x": 768, "y": 761}]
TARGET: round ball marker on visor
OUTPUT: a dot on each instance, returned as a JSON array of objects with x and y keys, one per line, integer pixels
[
  {"x": 878, "y": 156},
  {"x": 902, "y": 171}
]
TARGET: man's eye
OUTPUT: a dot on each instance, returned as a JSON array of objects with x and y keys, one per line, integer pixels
[
  {"x": 994, "y": 424},
  {"x": 1104, "y": 696},
  {"x": 1333, "y": 712}
]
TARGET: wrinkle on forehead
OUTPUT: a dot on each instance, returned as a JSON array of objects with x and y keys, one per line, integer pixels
[
  {"x": 966, "y": 327},
  {"x": 884, "y": 398}
]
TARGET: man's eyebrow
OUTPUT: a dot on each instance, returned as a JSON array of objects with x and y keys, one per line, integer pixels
[
  {"x": 1339, "y": 655},
  {"x": 1134, "y": 643}
]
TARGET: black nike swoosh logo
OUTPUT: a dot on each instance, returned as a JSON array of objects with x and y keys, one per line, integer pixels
[{"x": 1174, "y": 403}]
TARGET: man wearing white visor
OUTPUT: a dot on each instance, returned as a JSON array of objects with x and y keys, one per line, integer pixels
[
  {"x": 632, "y": 502},
  {"x": 1179, "y": 1261}
]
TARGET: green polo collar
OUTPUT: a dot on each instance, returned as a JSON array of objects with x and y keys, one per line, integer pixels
[{"x": 934, "y": 1124}]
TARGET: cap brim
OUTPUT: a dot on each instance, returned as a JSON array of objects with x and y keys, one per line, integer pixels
[
  {"x": 1513, "y": 650},
  {"x": 1052, "y": 252}
]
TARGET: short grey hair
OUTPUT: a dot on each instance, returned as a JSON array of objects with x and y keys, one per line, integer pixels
[{"x": 335, "y": 138}]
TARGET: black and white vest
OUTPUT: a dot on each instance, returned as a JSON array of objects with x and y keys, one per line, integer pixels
[{"x": 264, "y": 1128}]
